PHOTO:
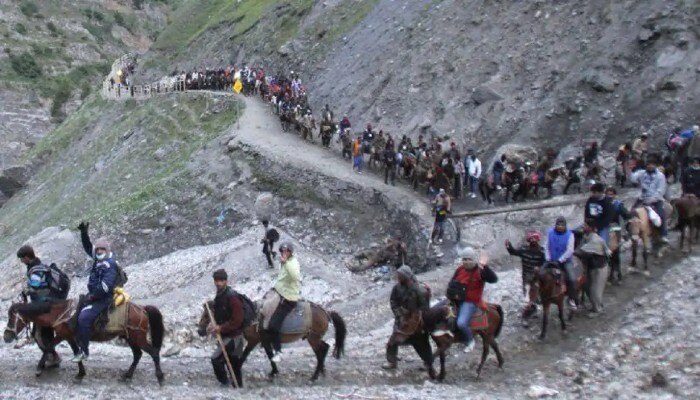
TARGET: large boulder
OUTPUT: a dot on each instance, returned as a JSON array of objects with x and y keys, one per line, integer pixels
[
  {"x": 515, "y": 153},
  {"x": 14, "y": 179},
  {"x": 484, "y": 94},
  {"x": 601, "y": 81}
]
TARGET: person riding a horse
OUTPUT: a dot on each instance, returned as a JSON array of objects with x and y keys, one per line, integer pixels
[
  {"x": 40, "y": 291},
  {"x": 472, "y": 274},
  {"x": 288, "y": 286},
  {"x": 690, "y": 180},
  {"x": 407, "y": 304},
  {"x": 559, "y": 251},
  {"x": 653, "y": 189},
  {"x": 532, "y": 256},
  {"x": 101, "y": 283},
  {"x": 229, "y": 323}
]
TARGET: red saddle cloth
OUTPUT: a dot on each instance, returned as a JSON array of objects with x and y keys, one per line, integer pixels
[{"x": 480, "y": 319}]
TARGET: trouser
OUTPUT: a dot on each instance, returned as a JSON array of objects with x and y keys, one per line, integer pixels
[
  {"x": 405, "y": 329},
  {"x": 473, "y": 184},
  {"x": 274, "y": 327},
  {"x": 604, "y": 233},
  {"x": 86, "y": 319},
  {"x": 390, "y": 173},
  {"x": 497, "y": 178},
  {"x": 597, "y": 278},
  {"x": 267, "y": 250},
  {"x": 438, "y": 230},
  {"x": 458, "y": 186},
  {"x": 466, "y": 311},
  {"x": 234, "y": 347},
  {"x": 357, "y": 162}
]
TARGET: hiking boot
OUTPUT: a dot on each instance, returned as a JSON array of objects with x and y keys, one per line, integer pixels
[
  {"x": 389, "y": 365},
  {"x": 277, "y": 357},
  {"x": 80, "y": 357},
  {"x": 572, "y": 304},
  {"x": 469, "y": 346}
]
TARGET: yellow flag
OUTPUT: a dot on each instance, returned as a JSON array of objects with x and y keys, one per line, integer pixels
[{"x": 237, "y": 87}]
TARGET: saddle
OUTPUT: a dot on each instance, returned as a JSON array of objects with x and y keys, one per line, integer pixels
[{"x": 298, "y": 321}]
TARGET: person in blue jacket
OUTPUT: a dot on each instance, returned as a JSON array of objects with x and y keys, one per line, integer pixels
[{"x": 101, "y": 284}]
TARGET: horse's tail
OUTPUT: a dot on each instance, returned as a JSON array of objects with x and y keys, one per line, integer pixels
[
  {"x": 155, "y": 322},
  {"x": 499, "y": 309},
  {"x": 341, "y": 332}
]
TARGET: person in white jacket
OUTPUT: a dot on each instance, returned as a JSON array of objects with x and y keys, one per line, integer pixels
[{"x": 473, "y": 167}]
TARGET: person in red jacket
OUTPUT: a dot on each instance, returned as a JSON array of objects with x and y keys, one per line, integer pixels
[
  {"x": 228, "y": 321},
  {"x": 473, "y": 273}
]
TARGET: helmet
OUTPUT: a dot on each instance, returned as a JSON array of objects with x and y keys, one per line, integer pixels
[
  {"x": 286, "y": 246},
  {"x": 533, "y": 236}
]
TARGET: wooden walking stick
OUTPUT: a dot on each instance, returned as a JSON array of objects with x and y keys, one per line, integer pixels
[{"x": 223, "y": 348}]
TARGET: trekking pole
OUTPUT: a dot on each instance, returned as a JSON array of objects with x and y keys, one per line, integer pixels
[{"x": 223, "y": 349}]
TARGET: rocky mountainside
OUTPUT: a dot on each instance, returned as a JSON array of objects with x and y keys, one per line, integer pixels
[
  {"x": 485, "y": 73},
  {"x": 54, "y": 54}
]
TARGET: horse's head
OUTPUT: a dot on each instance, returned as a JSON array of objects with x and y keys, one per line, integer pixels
[
  {"x": 15, "y": 325},
  {"x": 204, "y": 320}
]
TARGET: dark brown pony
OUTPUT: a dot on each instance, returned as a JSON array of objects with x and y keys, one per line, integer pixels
[
  {"x": 320, "y": 319},
  {"x": 550, "y": 177},
  {"x": 140, "y": 322},
  {"x": 437, "y": 319},
  {"x": 546, "y": 286},
  {"x": 688, "y": 210}
]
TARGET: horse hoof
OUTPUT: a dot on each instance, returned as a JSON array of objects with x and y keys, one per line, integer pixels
[
  {"x": 38, "y": 372},
  {"x": 541, "y": 337},
  {"x": 161, "y": 380},
  {"x": 125, "y": 377},
  {"x": 78, "y": 379}
]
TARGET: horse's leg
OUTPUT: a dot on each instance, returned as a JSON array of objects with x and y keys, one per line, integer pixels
[
  {"x": 267, "y": 346},
  {"x": 486, "y": 342},
  {"x": 321, "y": 350},
  {"x": 497, "y": 350},
  {"x": 560, "y": 306},
  {"x": 681, "y": 226},
  {"x": 645, "y": 252},
  {"x": 137, "y": 352},
  {"x": 545, "y": 318},
  {"x": 633, "y": 263}
]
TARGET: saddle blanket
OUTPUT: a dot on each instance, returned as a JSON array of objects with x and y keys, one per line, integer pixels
[
  {"x": 298, "y": 321},
  {"x": 116, "y": 318}
]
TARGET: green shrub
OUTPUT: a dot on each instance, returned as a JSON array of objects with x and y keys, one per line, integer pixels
[
  {"x": 62, "y": 93},
  {"x": 29, "y": 8},
  {"x": 20, "y": 28},
  {"x": 53, "y": 29},
  {"x": 118, "y": 18},
  {"x": 92, "y": 14},
  {"x": 25, "y": 65}
]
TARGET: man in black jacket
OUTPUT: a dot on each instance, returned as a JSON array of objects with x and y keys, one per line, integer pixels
[
  {"x": 690, "y": 181},
  {"x": 229, "y": 323},
  {"x": 407, "y": 303},
  {"x": 599, "y": 210},
  {"x": 268, "y": 242},
  {"x": 390, "y": 166}
]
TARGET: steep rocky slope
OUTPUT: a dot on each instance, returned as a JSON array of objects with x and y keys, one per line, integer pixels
[{"x": 485, "y": 73}]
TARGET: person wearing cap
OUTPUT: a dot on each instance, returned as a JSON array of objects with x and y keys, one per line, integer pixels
[
  {"x": 599, "y": 210},
  {"x": 531, "y": 255},
  {"x": 229, "y": 323},
  {"x": 473, "y": 273},
  {"x": 473, "y": 167},
  {"x": 690, "y": 181},
  {"x": 288, "y": 286},
  {"x": 594, "y": 254},
  {"x": 653, "y": 189},
  {"x": 559, "y": 249},
  {"x": 443, "y": 206},
  {"x": 407, "y": 304},
  {"x": 640, "y": 146},
  {"x": 101, "y": 283}
]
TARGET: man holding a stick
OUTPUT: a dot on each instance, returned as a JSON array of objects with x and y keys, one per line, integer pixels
[{"x": 227, "y": 326}]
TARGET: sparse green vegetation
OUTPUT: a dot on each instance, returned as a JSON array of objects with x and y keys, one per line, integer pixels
[
  {"x": 29, "y": 8},
  {"x": 20, "y": 28},
  {"x": 25, "y": 65},
  {"x": 53, "y": 29}
]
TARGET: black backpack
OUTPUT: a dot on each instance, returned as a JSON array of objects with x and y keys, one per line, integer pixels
[
  {"x": 249, "y": 309},
  {"x": 59, "y": 283},
  {"x": 122, "y": 278}
]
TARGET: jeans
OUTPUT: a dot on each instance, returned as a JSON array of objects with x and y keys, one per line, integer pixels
[
  {"x": 466, "y": 310},
  {"x": 659, "y": 208},
  {"x": 438, "y": 230},
  {"x": 357, "y": 162},
  {"x": 86, "y": 319},
  {"x": 473, "y": 184},
  {"x": 604, "y": 233},
  {"x": 497, "y": 178}
]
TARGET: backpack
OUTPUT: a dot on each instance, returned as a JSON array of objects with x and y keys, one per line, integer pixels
[
  {"x": 59, "y": 282},
  {"x": 122, "y": 278},
  {"x": 249, "y": 309},
  {"x": 456, "y": 291}
]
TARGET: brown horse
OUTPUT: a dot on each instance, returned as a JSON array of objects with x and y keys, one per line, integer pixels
[
  {"x": 550, "y": 177},
  {"x": 140, "y": 322},
  {"x": 320, "y": 319},
  {"x": 548, "y": 287},
  {"x": 641, "y": 229},
  {"x": 688, "y": 211},
  {"x": 438, "y": 319}
]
